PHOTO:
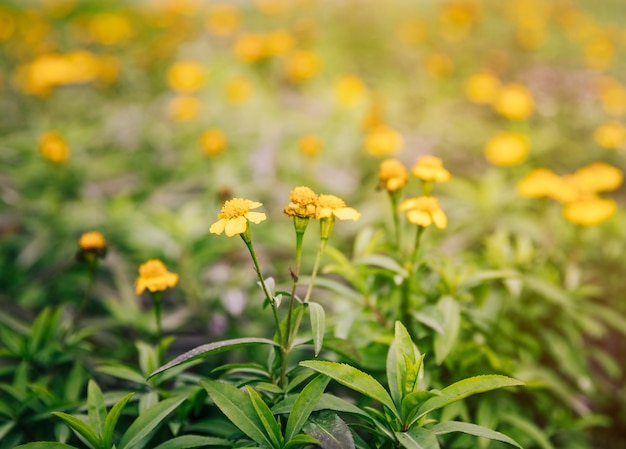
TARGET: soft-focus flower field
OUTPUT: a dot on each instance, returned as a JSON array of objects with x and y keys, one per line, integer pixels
[{"x": 471, "y": 152}]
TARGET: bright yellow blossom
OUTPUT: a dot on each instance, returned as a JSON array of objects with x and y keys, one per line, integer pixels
[
  {"x": 92, "y": 240},
  {"x": 154, "y": 276},
  {"x": 184, "y": 107},
  {"x": 222, "y": 19},
  {"x": 382, "y": 140},
  {"x": 213, "y": 141},
  {"x": 349, "y": 90},
  {"x": 53, "y": 148},
  {"x": 310, "y": 145},
  {"x": 235, "y": 215},
  {"x": 599, "y": 53},
  {"x": 303, "y": 203},
  {"x": 185, "y": 76},
  {"x": 482, "y": 87},
  {"x": 589, "y": 211},
  {"x": 238, "y": 90},
  {"x": 597, "y": 177},
  {"x": 279, "y": 42},
  {"x": 331, "y": 206},
  {"x": 392, "y": 175},
  {"x": 430, "y": 169},
  {"x": 424, "y": 211},
  {"x": 541, "y": 182},
  {"x": 610, "y": 135},
  {"x": 250, "y": 47},
  {"x": 301, "y": 65},
  {"x": 506, "y": 149},
  {"x": 514, "y": 101},
  {"x": 110, "y": 28}
]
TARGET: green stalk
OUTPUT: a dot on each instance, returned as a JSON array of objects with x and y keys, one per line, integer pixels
[
  {"x": 405, "y": 306},
  {"x": 393, "y": 196},
  {"x": 295, "y": 276},
  {"x": 156, "y": 299}
]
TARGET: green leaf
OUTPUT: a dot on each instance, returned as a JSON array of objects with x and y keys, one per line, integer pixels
[
  {"x": 301, "y": 440},
  {"x": 353, "y": 378},
  {"x": 411, "y": 402},
  {"x": 318, "y": 325},
  {"x": 330, "y": 430},
  {"x": 96, "y": 409},
  {"x": 471, "y": 429},
  {"x": 122, "y": 372},
  {"x": 325, "y": 402},
  {"x": 304, "y": 405},
  {"x": 272, "y": 430},
  {"x": 465, "y": 388},
  {"x": 38, "y": 330},
  {"x": 237, "y": 407},
  {"x": 530, "y": 430},
  {"x": 193, "y": 441},
  {"x": 401, "y": 357},
  {"x": 212, "y": 348},
  {"x": 111, "y": 420},
  {"x": 418, "y": 438},
  {"x": 379, "y": 260},
  {"x": 443, "y": 343},
  {"x": 45, "y": 445},
  {"x": 81, "y": 428},
  {"x": 148, "y": 421}
]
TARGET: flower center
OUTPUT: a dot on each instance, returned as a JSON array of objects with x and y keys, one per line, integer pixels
[{"x": 237, "y": 207}]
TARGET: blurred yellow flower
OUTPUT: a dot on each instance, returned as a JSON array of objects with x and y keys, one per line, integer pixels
[
  {"x": 610, "y": 135},
  {"x": 273, "y": 7},
  {"x": 53, "y": 148},
  {"x": 382, "y": 140},
  {"x": 222, "y": 19},
  {"x": 482, "y": 87},
  {"x": 541, "y": 182},
  {"x": 612, "y": 94},
  {"x": 302, "y": 203},
  {"x": 154, "y": 276},
  {"x": 430, "y": 169},
  {"x": 424, "y": 211},
  {"x": 184, "y": 107},
  {"x": 514, "y": 102},
  {"x": 92, "y": 240},
  {"x": 238, "y": 90},
  {"x": 349, "y": 90},
  {"x": 279, "y": 42},
  {"x": 597, "y": 177},
  {"x": 310, "y": 145},
  {"x": 109, "y": 28},
  {"x": 185, "y": 76},
  {"x": 599, "y": 53},
  {"x": 589, "y": 211},
  {"x": 213, "y": 141},
  {"x": 456, "y": 18},
  {"x": 392, "y": 175},
  {"x": 235, "y": 215},
  {"x": 506, "y": 149},
  {"x": 331, "y": 206},
  {"x": 301, "y": 65},
  {"x": 439, "y": 65},
  {"x": 250, "y": 47},
  {"x": 412, "y": 31}
]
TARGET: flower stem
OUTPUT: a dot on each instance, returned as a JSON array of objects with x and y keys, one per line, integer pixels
[
  {"x": 92, "y": 263},
  {"x": 393, "y": 196},
  {"x": 156, "y": 299},
  {"x": 316, "y": 267},
  {"x": 294, "y": 275},
  {"x": 405, "y": 306}
]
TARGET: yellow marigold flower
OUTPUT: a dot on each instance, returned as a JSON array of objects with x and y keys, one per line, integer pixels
[
  {"x": 349, "y": 90},
  {"x": 598, "y": 177},
  {"x": 110, "y": 28},
  {"x": 506, "y": 149},
  {"x": 53, "y": 148},
  {"x": 539, "y": 182},
  {"x": 250, "y": 47},
  {"x": 302, "y": 203},
  {"x": 612, "y": 94},
  {"x": 301, "y": 65},
  {"x": 430, "y": 169},
  {"x": 222, "y": 19},
  {"x": 235, "y": 215},
  {"x": 310, "y": 145},
  {"x": 599, "y": 53},
  {"x": 92, "y": 240},
  {"x": 184, "y": 107},
  {"x": 392, "y": 175},
  {"x": 331, "y": 206},
  {"x": 482, "y": 87},
  {"x": 610, "y": 135},
  {"x": 185, "y": 76},
  {"x": 382, "y": 140},
  {"x": 238, "y": 90},
  {"x": 589, "y": 211},
  {"x": 154, "y": 276},
  {"x": 424, "y": 211},
  {"x": 213, "y": 141},
  {"x": 514, "y": 102},
  {"x": 279, "y": 42}
]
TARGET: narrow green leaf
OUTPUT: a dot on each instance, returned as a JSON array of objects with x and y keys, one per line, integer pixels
[
  {"x": 96, "y": 410},
  {"x": 148, "y": 421},
  {"x": 111, "y": 420},
  {"x": 465, "y": 388},
  {"x": 81, "y": 428},
  {"x": 304, "y": 405},
  {"x": 272, "y": 430},
  {"x": 318, "y": 325},
  {"x": 193, "y": 441},
  {"x": 411, "y": 402},
  {"x": 122, "y": 372},
  {"x": 301, "y": 440},
  {"x": 379, "y": 260},
  {"x": 38, "y": 330},
  {"x": 212, "y": 348},
  {"x": 236, "y": 405},
  {"x": 443, "y": 343},
  {"x": 355, "y": 379},
  {"x": 418, "y": 438},
  {"x": 330, "y": 430},
  {"x": 325, "y": 402},
  {"x": 471, "y": 429},
  {"x": 45, "y": 445},
  {"x": 401, "y": 357},
  {"x": 530, "y": 430}
]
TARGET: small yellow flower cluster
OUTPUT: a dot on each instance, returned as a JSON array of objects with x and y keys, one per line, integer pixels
[
  {"x": 92, "y": 245},
  {"x": 578, "y": 192},
  {"x": 513, "y": 101},
  {"x": 185, "y": 78},
  {"x": 505, "y": 149},
  {"x": 610, "y": 135},
  {"x": 153, "y": 275},
  {"x": 213, "y": 141},
  {"x": 235, "y": 215},
  {"x": 254, "y": 47}
]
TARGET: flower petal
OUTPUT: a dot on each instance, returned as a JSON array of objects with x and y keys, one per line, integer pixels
[
  {"x": 256, "y": 217},
  {"x": 140, "y": 286},
  {"x": 254, "y": 204},
  {"x": 324, "y": 212},
  {"x": 408, "y": 204},
  {"x": 347, "y": 213},
  {"x": 236, "y": 226},
  {"x": 218, "y": 226},
  {"x": 419, "y": 218},
  {"x": 440, "y": 219}
]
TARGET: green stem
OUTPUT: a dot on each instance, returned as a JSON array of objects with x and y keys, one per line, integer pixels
[
  {"x": 316, "y": 267},
  {"x": 393, "y": 196},
  {"x": 92, "y": 263},
  {"x": 294, "y": 275},
  {"x": 156, "y": 299},
  {"x": 405, "y": 307}
]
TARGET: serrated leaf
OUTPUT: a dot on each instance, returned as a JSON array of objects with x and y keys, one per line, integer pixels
[
  {"x": 81, "y": 428},
  {"x": 355, "y": 379},
  {"x": 193, "y": 441},
  {"x": 411, "y": 402},
  {"x": 418, "y": 438},
  {"x": 111, "y": 420},
  {"x": 212, "y": 348},
  {"x": 330, "y": 430},
  {"x": 145, "y": 423},
  {"x": 303, "y": 406},
  {"x": 318, "y": 325},
  {"x": 263, "y": 412},
  {"x": 471, "y": 429},
  {"x": 401, "y": 351}
]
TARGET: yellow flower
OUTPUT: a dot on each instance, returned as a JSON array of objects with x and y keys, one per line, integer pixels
[
  {"x": 238, "y": 90},
  {"x": 235, "y": 215},
  {"x": 184, "y": 107},
  {"x": 424, "y": 211},
  {"x": 506, "y": 149},
  {"x": 589, "y": 211},
  {"x": 482, "y": 87},
  {"x": 310, "y": 145},
  {"x": 612, "y": 94},
  {"x": 185, "y": 76},
  {"x": 382, "y": 140},
  {"x": 331, "y": 206},
  {"x": 599, "y": 53},
  {"x": 514, "y": 102},
  {"x": 301, "y": 65},
  {"x": 392, "y": 175},
  {"x": 110, "y": 28},
  {"x": 154, "y": 276},
  {"x": 541, "y": 182},
  {"x": 250, "y": 47},
  {"x": 610, "y": 135},
  {"x": 302, "y": 203},
  {"x": 430, "y": 169},
  {"x": 279, "y": 42},
  {"x": 597, "y": 177},
  {"x": 349, "y": 90},
  {"x": 92, "y": 240},
  {"x": 213, "y": 141},
  {"x": 53, "y": 147},
  {"x": 222, "y": 19}
]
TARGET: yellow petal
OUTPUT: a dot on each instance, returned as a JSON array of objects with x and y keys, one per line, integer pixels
[
  {"x": 256, "y": 217},
  {"x": 218, "y": 226},
  {"x": 590, "y": 212},
  {"x": 440, "y": 219},
  {"x": 254, "y": 204},
  {"x": 324, "y": 212},
  {"x": 408, "y": 204},
  {"x": 236, "y": 226},
  {"x": 419, "y": 218},
  {"x": 347, "y": 213},
  {"x": 140, "y": 286}
]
